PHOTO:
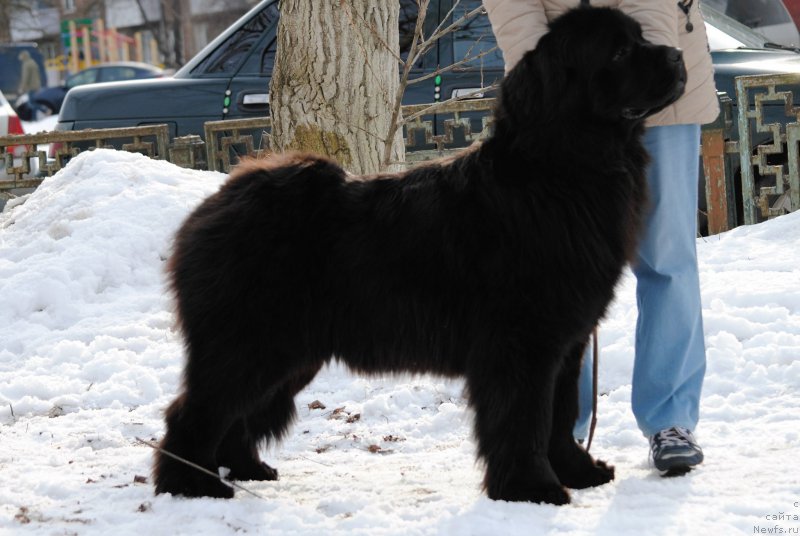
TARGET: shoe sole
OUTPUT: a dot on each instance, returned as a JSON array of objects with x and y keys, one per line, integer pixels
[
  {"x": 678, "y": 463},
  {"x": 678, "y": 466},
  {"x": 678, "y": 470}
]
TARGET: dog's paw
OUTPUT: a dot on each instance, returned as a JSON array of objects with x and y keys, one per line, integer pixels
[
  {"x": 602, "y": 473},
  {"x": 606, "y": 469},
  {"x": 194, "y": 485},
  {"x": 253, "y": 471},
  {"x": 597, "y": 474},
  {"x": 577, "y": 469},
  {"x": 550, "y": 493},
  {"x": 172, "y": 476},
  {"x": 557, "y": 495}
]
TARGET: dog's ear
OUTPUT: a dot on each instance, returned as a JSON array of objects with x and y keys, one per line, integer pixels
[{"x": 536, "y": 85}]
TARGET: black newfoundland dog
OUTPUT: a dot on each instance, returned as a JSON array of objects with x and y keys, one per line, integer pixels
[{"x": 494, "y": 266}]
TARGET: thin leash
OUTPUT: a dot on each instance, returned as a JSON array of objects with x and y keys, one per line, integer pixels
[
  {"x": 595, "y": 356},
  {"x": 198, "y": 467}
]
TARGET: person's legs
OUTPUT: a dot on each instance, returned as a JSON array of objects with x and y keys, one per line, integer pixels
[
  {"x": 585, "y": 395},
  {"x": 670, "y": 352}
]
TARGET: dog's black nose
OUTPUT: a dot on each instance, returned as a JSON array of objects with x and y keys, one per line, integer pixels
[{"x": 675, "y": 55}]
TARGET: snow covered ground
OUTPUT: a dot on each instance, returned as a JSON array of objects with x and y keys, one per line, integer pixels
[{"x": 89, "y": 359}]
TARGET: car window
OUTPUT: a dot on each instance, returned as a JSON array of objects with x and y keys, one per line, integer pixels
[
  {"x": 474, "y": 36},
  {"x": 268, "y": 57},
  {"x": 719, "y": 40},
  {"x": 228, "y": 57},
  {"x": 408, "y": 20},
  {"x": 726, "y": 33},
  {"x": 112, "y": 74},
  {"x": 753, "y": 13},
  {"x": 88, "y": 76},
  {"x": 261, "y": 64}
]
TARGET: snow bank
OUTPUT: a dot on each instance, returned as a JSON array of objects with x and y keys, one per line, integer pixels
[{"x": 89, "y": 358}]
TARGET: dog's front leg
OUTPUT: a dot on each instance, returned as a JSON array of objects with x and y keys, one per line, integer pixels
[
  {"x": 575, "y": 467},
  {"x": 513, "y": 414}
]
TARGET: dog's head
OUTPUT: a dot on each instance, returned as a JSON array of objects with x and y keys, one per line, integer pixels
[{"x": 595, "y": 64}]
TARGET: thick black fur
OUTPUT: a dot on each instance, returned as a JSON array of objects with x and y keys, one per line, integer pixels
[{"x": 494, "y": 266}]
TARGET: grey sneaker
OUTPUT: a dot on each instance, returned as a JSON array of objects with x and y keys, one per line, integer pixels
[{"x": 675, "y": 451}]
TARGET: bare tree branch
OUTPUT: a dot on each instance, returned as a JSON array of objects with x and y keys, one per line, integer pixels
[
  {"x": 439, "y": 33},
  {"x": 411, "y": 60},
  {"x": 419, "y": 46},
  {"x": 151, "y": 25},
  {"x": 453, "y": 66},
  {"x": 447, "y": 17},
  {"x": 433, "y": 108}
]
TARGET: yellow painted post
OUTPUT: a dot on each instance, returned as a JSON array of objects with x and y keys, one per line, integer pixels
[
  {"x": 113, "y": 51},
  {"x": 154, "y": 59},
  {"x": 137, "y": 37},
  {"x": 101, "y": 41},
  {"x": 73, "y": 48},
  {"x": 87, "y": 46}
]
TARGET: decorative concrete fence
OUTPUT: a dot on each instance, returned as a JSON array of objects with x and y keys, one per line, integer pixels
[
  {"x": 749, "y": 155},
  {"x": 227, "y": 141}
]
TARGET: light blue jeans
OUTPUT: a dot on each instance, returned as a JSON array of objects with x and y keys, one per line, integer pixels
[{"x": 670, "y": 356}]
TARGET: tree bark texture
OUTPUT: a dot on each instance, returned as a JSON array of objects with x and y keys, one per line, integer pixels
[{"x": 335, "y": 79}]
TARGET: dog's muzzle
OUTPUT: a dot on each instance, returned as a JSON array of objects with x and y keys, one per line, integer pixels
[{"x": 674, "y": 59}]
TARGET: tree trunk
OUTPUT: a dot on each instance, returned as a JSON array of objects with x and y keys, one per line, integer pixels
[
  {"x": 334, "y": 80},
  {"x": 177, "y": 31},
  {"x": 5, "y": 22}
]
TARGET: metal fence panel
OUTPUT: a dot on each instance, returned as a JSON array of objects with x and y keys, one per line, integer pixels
[
  {"x": 28, "y": 169},
  {"x": 457, "y": 124},
  {"x": 786, "y": 186}
]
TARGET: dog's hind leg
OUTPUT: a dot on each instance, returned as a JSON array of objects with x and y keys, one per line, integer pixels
[
  {"x": 221, "y": 385},
  {"x": 195, "y": 426},
  {"x": 512, "y": 395},
  {"x": 574, "y": 466},
  {"x": 267, "y": 422}
]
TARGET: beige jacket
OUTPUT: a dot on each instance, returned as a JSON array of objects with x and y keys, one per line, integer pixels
[
  {"x": 30, "y": 80},
  {"x": 518, "y": 25}
]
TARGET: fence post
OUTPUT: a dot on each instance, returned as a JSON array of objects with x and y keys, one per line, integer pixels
[
  {"x": 187, "y": 152},
  {"x": 139, "y": 46},
  {"x": 719, "y": 185},
  {"x": 86, "y": 32},
  {"x": 101, "y": 40},
  {"x": 73, "y": 47}
]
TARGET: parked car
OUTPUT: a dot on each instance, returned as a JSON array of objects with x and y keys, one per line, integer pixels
[
  {"x": 793, "y": 7},
  {"x": 9, "y": 124},
  {"x": 769, "y": 18},
  {"x": 229, "y": 79},
  {"x": 9, "y": 121},
  {"x": 48, "y": 100}
]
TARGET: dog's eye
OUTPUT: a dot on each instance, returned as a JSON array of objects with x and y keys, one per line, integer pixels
[{"x": 621, "y": 53}]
